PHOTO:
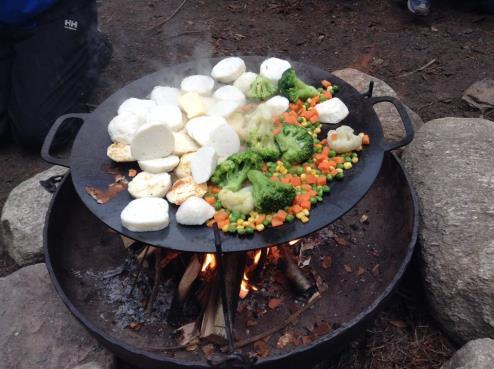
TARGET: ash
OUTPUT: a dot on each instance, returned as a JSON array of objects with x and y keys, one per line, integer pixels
[{"x": 115, "y": 286}]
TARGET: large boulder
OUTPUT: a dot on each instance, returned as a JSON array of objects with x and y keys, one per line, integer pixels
[
  {"x": 477, "y": 354},
  {"x": 37, "y": 330},
  {"x": 23, "y": 218},
  {"x": 391, "y": 122},
  {"x": 450, "y": 165}
]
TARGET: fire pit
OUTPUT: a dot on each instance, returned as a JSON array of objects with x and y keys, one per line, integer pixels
[{"x": 291, "y": 306}]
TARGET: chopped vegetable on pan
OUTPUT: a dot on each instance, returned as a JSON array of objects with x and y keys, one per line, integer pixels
[{"x": 247, "y": 148}]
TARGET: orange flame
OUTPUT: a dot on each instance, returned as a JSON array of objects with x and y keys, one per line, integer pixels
[
  {"x": 257, "y": 257},
  {"x": 209, "y": 262}
]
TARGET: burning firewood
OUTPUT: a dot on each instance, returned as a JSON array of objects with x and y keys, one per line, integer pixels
[{"x": 213, "y": 327}]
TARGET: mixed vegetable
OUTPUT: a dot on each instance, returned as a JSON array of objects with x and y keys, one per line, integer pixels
[{"x": 248, "y": 156}]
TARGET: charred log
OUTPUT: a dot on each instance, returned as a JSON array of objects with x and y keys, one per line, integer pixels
[{"x": 294, "y": 275}]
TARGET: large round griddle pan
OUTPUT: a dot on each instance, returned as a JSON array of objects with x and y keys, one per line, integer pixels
[{"x": 89, "y": 164}]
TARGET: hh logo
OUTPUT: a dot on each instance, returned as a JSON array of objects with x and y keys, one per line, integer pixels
[{"x": 70, "y": 25}]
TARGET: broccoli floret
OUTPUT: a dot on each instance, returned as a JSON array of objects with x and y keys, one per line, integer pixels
[
  {"x": 232, "y": 173},
  {"x": 296, "y": 144},
  {"x": 261, "y": 139},
  {"x": 261, "y": 89},
  {"x": 270, "y": 196},
  {"x": 293, "y": 88}
]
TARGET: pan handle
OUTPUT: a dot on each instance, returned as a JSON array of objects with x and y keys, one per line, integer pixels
[
  {"x": 405, "y": 118},
  {"x": 47, "y": 143}
]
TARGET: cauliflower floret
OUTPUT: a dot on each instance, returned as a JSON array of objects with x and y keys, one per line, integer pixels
[
  {"x": 241, "y": 201},
  {"x": 237, "y": 121},
  {"x": 342, "y": 139}
]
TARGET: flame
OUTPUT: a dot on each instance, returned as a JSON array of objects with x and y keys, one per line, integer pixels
[
  {"x": 246, "y": 287},
  {"x": 209, "y": 262},
  {"x": 257, "y": 257}
]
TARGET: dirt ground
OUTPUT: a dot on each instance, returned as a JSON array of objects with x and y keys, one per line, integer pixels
[{"x": 378, "y": 37}]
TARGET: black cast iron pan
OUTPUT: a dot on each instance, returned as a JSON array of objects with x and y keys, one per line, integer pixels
[{"x": 89, "y": 164}]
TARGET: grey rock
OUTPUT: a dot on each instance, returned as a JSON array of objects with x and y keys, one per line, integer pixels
[
  {"x": 391, "y": 122},
  {"x": 450, "y": 165},
  {"x": 477, "y": 354},
  {"x": 90, "y": 365},
  {"x": 23, "y": 218},
  {"x": 480, "y": 95},
  {"x": 37, "y": 330}
]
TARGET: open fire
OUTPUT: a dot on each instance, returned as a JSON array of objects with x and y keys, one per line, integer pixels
[{"x": 198, "y": 310}]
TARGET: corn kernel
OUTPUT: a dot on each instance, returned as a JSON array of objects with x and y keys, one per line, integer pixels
[
  {"x": 303, "y": 176},
  {"x": 355, "y": 160},
  {"x": 240, "y": 227},
  {"x": 251, "y": 219},
  {"x": 304, "y": 219},
  {"x": 279, "y": 162},
  {"x": 306, "y": 212},
  {"x": 304, "y": 124},
  {"x": 240, "y": 222},
  {"x": 308, "y": 169},
  {"x": 300, "y": 215},
  {"x": 317, "y": 130},
  {"x": 260, "y": 227},
  {"x": 347, "y": 165},
  {"x": 339, "y": 170},
  {"x": 225, "y": 228}
]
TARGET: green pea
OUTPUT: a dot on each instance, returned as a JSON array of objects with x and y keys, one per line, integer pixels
[
  {"x": 266, "y": 222},
  {"x": 322, "y": 98},
  {"x": 218, "y": 205},
  {"x": 241, "y": 230},
  {"x": 329, "y": 177},
  {"x": 332, "y": 153},
  {"x": 354, "y": 155},
  {"x": 319, "y": 198},
  {"x": 326, "y": 189},
  {"x": 313, "y": 200},
  {"x": 335, "y": 88},
  {"x": 298, "y": 191},
  {"x": 340, "y": 176},
  {"x": 339, "y": 165},
  {"x": 290, "y": 218},
  {"x": 300, "y": 119},
  {"x": 348, "y": 159},
  {"x": 300, "y": 170},
  {"x": 249, "y": 230},
  {"x": 232, "y": 228},
  {"x": 318, "y": 149}
]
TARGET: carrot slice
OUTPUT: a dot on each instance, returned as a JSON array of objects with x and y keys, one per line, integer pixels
[
  {"x": 276, "y": 222},
  {"x": 296, "y": 208},
  {"x": 261, "y": 218},
  {"x": 215, "y": 189},
  {"x": 281, "y": 214},
  {"x": 325, "y": 83},
  {"x": 321, "y": 180},
  {"x": 220, "y": 215},
  {"x": 305, "y": 205},
  {"x": 310, "y": 179},
  {"x": 210, "y": 200},
  {"x": 222, "y": 223},
  {"x": 338, "y": 160},
  {"x": 296, "y": 181}
]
